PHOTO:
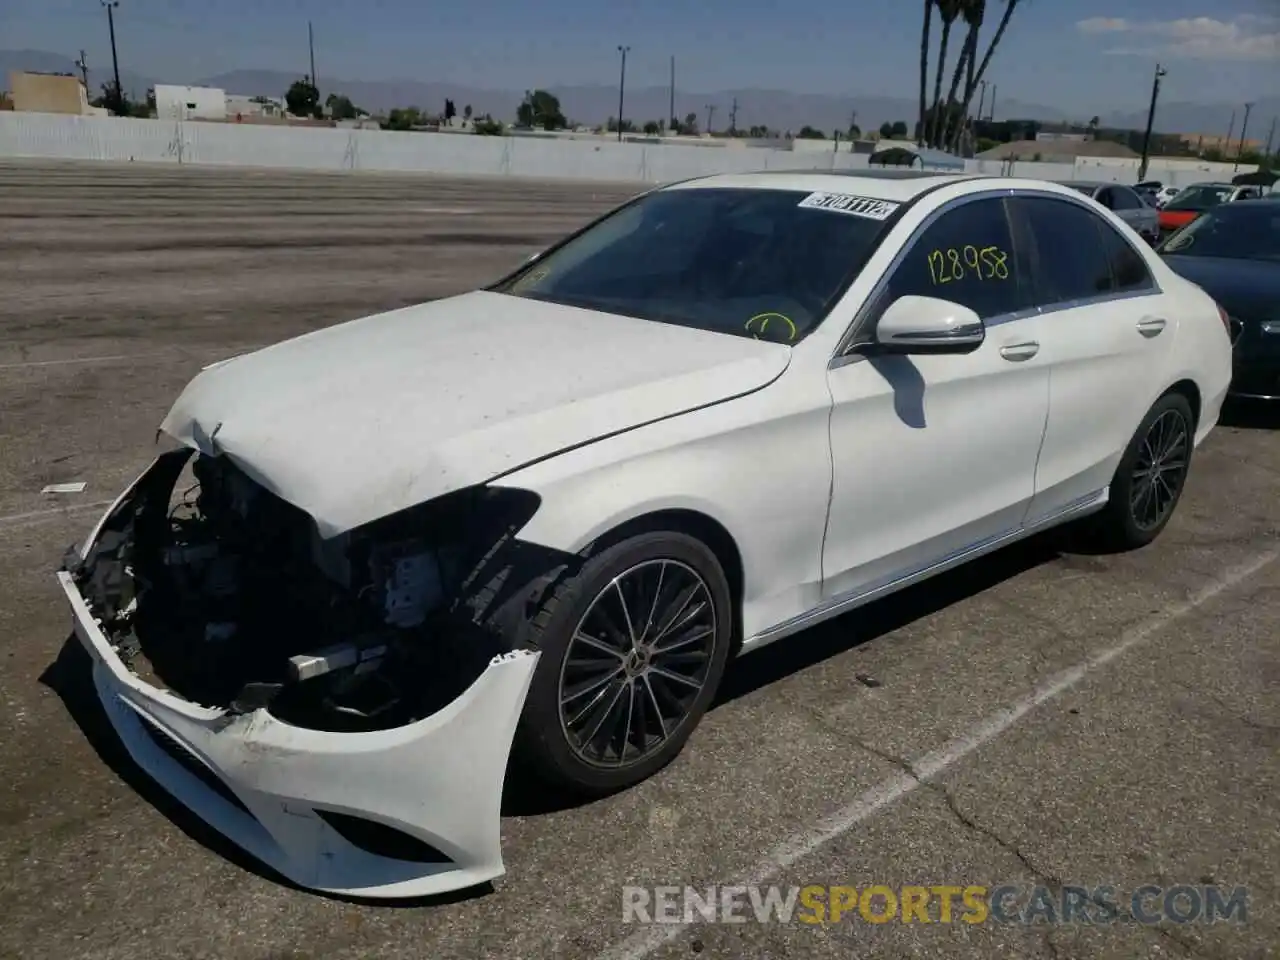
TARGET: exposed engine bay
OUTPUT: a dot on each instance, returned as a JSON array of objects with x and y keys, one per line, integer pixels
[{"x": 212, "y": 587}]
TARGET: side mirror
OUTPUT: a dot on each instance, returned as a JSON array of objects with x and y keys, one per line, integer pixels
[{"x": 929, "y": 325}]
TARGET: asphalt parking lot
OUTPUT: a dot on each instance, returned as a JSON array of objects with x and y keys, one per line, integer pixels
[{"x": 1042, "y": 717}]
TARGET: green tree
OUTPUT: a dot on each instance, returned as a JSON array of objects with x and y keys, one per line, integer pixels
[
  {"x": 886, "y": 130},
  {"x": 653, "y": 128},
  {"x": 340, "y": 107},
  {"x": 466, "y": 112},
  {"x": 899, "y": 128},
  {"x": 403, "y": 119},
  {"x": 540, "y": 109},
  {"x": 809, "y": 133},
  {"x": 302, "y": 98}
]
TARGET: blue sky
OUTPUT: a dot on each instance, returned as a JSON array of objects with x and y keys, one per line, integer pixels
[{"x": 1084, "y": 55}]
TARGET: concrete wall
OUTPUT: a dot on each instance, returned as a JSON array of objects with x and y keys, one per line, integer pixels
[{"x": 162, "y": 141}]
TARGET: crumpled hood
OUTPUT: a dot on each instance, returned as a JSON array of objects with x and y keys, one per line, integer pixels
[{"x": 358, "y": 421}]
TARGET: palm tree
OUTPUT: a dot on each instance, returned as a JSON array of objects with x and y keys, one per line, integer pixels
[
  {"x": 948, "y": 10},
  {"x": 971, "y": 87},
  {"x": 924, "y": 72},
  {"x": 972, "y": 11}
]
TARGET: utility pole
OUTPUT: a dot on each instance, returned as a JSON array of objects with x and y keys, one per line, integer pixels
[
  {"x": 711, "y": 112},
  {"x": 115, "y": 59},
  {"x": 1266, "y": 154},
  {"x": 1231, "y": 128},
  {"x": 982, "y": 85},
  {"x": 991, "y": 108},
  {"x": 83, "y": 64},
  {"x": 311, "y": 43},
  {"x": 1151, "y": 119},
  {"x": 622, "y": 86},
  {"x": 733, "y": 118},
  {"x": 671, "y": 107},
  {"x": 1243, "y": 128}
]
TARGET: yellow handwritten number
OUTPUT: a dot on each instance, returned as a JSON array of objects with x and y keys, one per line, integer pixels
[
  {"x": 996, "y": 262},
  {"x": 986, "y": 263},
  {"x": 938, "y": 268}
]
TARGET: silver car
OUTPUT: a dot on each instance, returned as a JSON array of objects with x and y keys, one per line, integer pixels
[{"x": 1124, "y": 203}]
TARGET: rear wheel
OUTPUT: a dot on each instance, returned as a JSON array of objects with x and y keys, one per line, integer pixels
[
  {"x": 1148, "y": 482},
  {"x": 633, "y": 648}
]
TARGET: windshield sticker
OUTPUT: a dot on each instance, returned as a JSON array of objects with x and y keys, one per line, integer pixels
[{"x": 867, "y": 207}]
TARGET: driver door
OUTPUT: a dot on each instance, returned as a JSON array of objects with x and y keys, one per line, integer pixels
[{"x": 934, "y": 456}]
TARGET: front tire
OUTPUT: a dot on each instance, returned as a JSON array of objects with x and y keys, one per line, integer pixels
[
  {"x": 633, "y": 649},
  {"x": 1149, "y": 480}
]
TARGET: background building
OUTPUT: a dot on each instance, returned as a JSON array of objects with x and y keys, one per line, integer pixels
[
  {"x": 50, "y": 93},
  {"x": 190, "y": 103}
]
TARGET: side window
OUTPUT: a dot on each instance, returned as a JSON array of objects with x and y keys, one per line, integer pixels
[
  {"x": 1106, "y": 196},
  {"x": 965, "y": 256},
  {"x": 1128, "y": 269},
  {"x": 1071, "y": 264}
]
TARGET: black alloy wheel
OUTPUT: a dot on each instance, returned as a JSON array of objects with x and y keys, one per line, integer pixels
[{"x": 633, "y": 647}]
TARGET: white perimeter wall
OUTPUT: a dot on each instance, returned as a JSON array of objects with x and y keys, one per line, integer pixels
[{"x": 49, "y": 136}]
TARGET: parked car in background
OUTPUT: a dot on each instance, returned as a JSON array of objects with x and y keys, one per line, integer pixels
[
  {"x": 1165, "y": 194},
  {"x": 1198, "y": 198},
  {"x": 1124, "y": 202},
  {"x": 1232, "y": 252}
]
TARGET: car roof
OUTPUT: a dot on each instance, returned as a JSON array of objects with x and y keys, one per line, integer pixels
[
  {"x": 1089, "y": 183},
  {"x": 894, "y": 185}
]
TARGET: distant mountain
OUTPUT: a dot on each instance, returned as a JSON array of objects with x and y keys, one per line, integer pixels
[{"x": 777, "y": 109}]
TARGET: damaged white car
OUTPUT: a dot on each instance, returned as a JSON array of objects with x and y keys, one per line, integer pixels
[{"x": 531, "y": 524}]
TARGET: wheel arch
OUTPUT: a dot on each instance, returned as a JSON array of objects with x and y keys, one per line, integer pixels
[
  {"x": 702, "y": 527},
  {"x": 1187, "y": 388}
]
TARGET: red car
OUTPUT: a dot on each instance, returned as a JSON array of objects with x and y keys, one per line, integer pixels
[{"x": 1198, "y": 198}]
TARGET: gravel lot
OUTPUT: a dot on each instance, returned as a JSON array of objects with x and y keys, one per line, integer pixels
[{"x": 1081, "y": 719}]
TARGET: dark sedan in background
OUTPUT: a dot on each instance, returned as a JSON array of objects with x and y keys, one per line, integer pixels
[{"x": 1232, "y": 252}]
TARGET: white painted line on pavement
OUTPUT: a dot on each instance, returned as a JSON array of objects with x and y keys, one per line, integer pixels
[
  {"x": 77, "y": 487},
  {"x": 651, "y": 938},
  {"x": 57, "y": 363},
  {"x": 35, "y": 516}
]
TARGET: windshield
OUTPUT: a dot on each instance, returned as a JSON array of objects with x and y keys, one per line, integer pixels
[
  {"x": 1199, "y": 198},
  {"x": 756, "y": 263},
  {"x": 1236, "y": 231}
]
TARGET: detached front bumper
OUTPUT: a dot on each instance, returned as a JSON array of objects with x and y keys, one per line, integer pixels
[{"x": 402, "y": 812}]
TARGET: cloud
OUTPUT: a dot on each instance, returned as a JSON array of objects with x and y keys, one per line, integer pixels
[
  {"x": 1247, "y": 37},
  {"x": 1103, "y": 25}
]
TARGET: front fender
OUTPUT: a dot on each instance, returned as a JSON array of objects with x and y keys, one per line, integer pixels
[{"x": 760, "y": 466}]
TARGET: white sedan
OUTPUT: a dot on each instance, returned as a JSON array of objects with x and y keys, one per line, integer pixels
[{"x": 531, "y": 524}]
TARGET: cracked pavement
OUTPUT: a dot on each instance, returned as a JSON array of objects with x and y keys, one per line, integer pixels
[{"x": 1161, "y": 766}]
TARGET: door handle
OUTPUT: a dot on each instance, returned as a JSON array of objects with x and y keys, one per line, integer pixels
[
  {"x": 1151, "y": 326},
  {"x": 1016, "y": 352}
]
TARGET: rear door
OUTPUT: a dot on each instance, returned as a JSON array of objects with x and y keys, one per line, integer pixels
[{"x": 1104, "y": 332}]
